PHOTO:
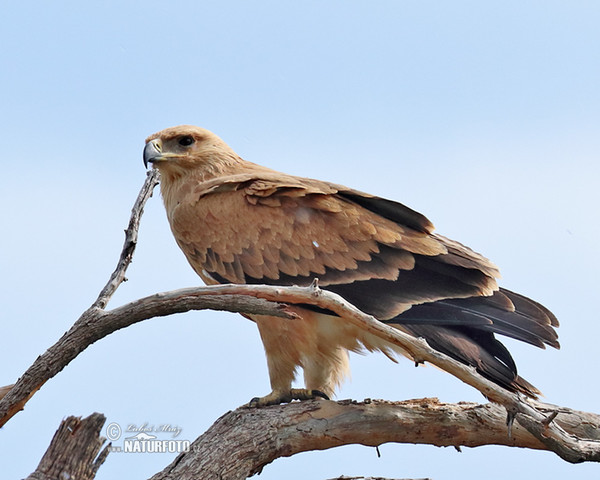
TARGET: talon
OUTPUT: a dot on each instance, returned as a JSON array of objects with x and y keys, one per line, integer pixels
[
  {"x": 273, "y": 398},
  {"x": 279, "y": 397},
  {"x": 319, "y": 393}
]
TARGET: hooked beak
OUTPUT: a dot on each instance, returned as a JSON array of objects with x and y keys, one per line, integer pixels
[{"x": 152, "y": 152}]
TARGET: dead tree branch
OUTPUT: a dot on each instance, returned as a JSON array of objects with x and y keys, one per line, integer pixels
[
  {"x": 245, "y": 446},
  {"x": 238, "y": 445},
  {"x": 74, "y": 451},
  {"x": 375, "y": 478},
  {"x": 131, "y": 237}
]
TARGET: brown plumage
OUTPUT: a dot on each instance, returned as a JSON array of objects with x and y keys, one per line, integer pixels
[{"x": 238, "y": 222}]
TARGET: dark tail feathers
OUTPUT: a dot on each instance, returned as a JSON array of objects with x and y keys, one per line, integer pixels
[{"x": 464, "y": 329}]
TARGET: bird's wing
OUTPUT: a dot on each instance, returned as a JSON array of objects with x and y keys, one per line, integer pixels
[{"x": 380, "y": 255}]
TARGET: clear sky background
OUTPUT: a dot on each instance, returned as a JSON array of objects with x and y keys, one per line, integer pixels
[{"x": 484, "y": 116}]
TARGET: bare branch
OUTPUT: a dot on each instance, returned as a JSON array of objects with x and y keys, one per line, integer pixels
[
  {"x": 245, "y": 446},
  {"x": 74, "y": 451},
  {"x": 14, "y": 397},
  {"x": 131, "y": 236},
  {"x": 237, "y": 445},
  {"x": 95, "y": 324},
  {"x": 375, "y": 478}
]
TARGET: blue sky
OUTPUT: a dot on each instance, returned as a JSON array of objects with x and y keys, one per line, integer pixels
[{"x": 483, "y": 116}]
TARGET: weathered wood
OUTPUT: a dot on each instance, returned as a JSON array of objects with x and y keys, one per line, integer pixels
[
  {"x": 95, "y": 324},
  {"x": 374, "y": 478},
  {"x": 74, "y": 451},
  {"x": 242, "y": 442}
]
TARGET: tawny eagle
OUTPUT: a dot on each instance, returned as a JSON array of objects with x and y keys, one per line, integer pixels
[{"x": 238, "y": 222}]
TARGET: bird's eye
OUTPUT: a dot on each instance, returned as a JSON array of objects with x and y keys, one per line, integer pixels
[{"x": 186, "y": 140}]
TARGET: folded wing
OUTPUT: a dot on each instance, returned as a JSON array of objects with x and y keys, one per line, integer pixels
[{"x": 379, "y": 255}]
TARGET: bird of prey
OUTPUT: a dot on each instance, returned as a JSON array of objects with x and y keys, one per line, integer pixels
[{"x": 242, "y": 223}]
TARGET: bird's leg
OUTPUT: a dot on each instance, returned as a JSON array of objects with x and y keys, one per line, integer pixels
[
  {"x": 315, "y": 379},
  {"x": 277, "y": 397},
  {"x": 284, "y": 342},
  {"x": 325, "y": 373}
]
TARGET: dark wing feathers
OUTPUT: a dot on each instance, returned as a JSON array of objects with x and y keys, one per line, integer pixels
[
  {"x": 389, "y": 209},
  {"x": 485, "y": 314},
  {"x": 379, "y": 255},
  {"x": 477, "y": 348},
  {"x": 532, "y": 309},
  {"x": 428, "y": 281}
]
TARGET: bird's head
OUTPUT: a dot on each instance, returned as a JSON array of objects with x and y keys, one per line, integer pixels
[{"x": 178, "y": 150}]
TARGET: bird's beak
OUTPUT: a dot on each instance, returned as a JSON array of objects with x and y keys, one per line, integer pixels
[{"x": 152, "y": 152}]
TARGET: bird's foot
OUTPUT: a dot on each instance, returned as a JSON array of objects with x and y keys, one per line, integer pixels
[{"x": 277, "y": 397}]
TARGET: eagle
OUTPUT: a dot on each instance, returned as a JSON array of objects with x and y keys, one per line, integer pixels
[{"x": 241, "y": 223}]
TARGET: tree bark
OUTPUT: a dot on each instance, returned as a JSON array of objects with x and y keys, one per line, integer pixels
[
  {"x": 74, "y": 451},
  {"x": 375, "y": 478},
  {"x": 242, "y": 442}
]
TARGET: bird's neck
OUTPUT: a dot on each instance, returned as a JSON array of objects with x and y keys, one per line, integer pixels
[{"x": 179, "y": 181}]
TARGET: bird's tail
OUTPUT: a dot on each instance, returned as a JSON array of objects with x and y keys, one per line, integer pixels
[{"x": 464, "y": 329}]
